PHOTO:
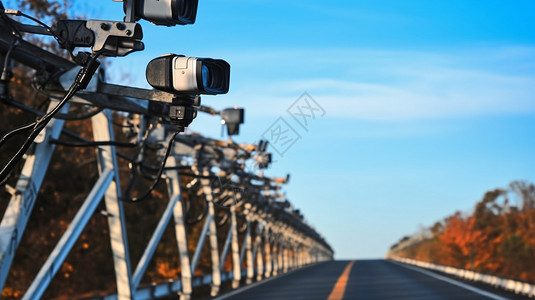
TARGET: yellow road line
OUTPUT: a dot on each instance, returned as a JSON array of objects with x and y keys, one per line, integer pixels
[{"x": 340, "y": 286}]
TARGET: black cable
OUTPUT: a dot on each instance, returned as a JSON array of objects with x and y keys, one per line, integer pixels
[
  {"x": 15, "y": 131},
  {"x": 41, "y": 123},
  {"x": 191, "y": 174},
  {"x": 199, "y": 218},
  {"x": 9, "y": 101},
  {"x": 93, "y": 144},
  {"x": 39, "y": 113},
  {"x": 9, "y": 21},
  {"x": 74, "y": 135},
  {"x": 131, "y": 160},
  {"x": 140, "y": 165},
  {"x": 119, "y": 154},
  {"x": 154, "y": 148},
  {"x": 6, "y": 74},
  {"x": 159, "y": 176},
  {"x": 130, "y": 185},
  {"x": 67, "y": 117},
  {"x": 136, "y": 165},
  {"x": 224, "y": 219},
  {"x": 179, "y": 168},
  {"x": 59, "y": 39},
  {"x": 79, "y": 116},
  {"x": 47, "y": 97},
  {"x": 243, "y": 228},
  {"x": 122, "y": 125},
  {"x": 147, "y": 176},
  {"x": 38, "y": 126}
]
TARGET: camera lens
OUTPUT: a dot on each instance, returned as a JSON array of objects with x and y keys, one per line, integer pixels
[
  {"x": 214, "y": 75},
  {"x": 206, "y": 76},
  {"x": 184, "y": 11}
]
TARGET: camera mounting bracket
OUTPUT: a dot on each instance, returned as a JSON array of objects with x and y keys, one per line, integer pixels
[
  {"x": 112, "y": 38},
  {"x": 180, "y": 112},
  {"x": 129, "y": 10}
]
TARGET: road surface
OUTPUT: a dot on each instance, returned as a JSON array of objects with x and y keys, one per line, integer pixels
[{"x": 365, "y": 279}]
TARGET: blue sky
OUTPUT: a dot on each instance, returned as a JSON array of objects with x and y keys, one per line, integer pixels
[{"x": 428, "y": 104}]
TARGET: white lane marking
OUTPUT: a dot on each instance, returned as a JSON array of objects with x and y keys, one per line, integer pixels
[
  {"x": 252, "y": 285},
  {"x": 454, "y": 282}
]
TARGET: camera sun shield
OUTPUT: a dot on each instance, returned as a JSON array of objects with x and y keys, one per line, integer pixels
[
  {"x": 233, "y": 117},
  {"x": 165, "y": 12},
  {"x": 189, "y": 75}
]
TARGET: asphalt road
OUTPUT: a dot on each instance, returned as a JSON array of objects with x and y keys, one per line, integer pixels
[{"x": 368, "y": 279}]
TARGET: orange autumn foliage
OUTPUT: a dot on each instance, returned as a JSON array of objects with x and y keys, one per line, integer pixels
[
  {"x": 88, "y": 269},
  {"x": 497, "y": 238}
]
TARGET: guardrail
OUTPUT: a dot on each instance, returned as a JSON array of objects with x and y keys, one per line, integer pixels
[
  {"x": 174, "y": 287},
  {"x": 518, "y": 287}
]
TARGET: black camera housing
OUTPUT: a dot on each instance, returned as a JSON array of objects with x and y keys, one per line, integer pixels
[
  {"x": 164, "y": 12},
  {"x": 233, "y": 117}
]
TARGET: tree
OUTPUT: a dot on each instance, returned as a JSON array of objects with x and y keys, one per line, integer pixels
[{"x": 496, "y": 238}]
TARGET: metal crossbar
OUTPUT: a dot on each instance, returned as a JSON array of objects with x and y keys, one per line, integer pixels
[
  {"x": 266, "y": 254},
  {"x": 275, "y": 238}
]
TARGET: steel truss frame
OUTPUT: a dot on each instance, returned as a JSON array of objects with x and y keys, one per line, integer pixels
[
  {"x": 270, "y": 246},
  {"x": 276, "y": 248}
]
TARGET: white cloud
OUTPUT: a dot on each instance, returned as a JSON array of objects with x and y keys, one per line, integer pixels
[{"x": 389, "y": 85}]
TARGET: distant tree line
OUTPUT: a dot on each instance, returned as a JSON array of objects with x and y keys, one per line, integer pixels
[{"x": 497, "y": 238}]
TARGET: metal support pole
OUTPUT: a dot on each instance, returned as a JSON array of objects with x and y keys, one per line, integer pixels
[
  {"x": 295, "y": 257},
  {"x": 246, "y": 239},
  {"x": 285, "y": 258},
  {"x": 216, "y": 274},
  {"x": 107, "y": 158},
  {"x": 200, "y": 243},
  {"x": 297, "y": 252},
  {"x": 289, "y": 255},
  {"x": 298, "y": 258},
  {"x": 275, "y": 258},
  {"x": 226, "y": 247},
  {"x": 249, "y": 255},
  {"x": 257, "y": 253},
  {"x": 173, "y": 187},
  {"x": 214, "y": 252},
  {"x": 269, "y": 262},
  {"x": 65, "y": 244},
  {"x": 22, "y": 201},
  {"x": 300, "y": 261},
  {"x": 157, "y": 235},
  {"x": 232, "y": 243},
  {"x": 236, "y": 265},
  {"x": 280, "y": 258}
]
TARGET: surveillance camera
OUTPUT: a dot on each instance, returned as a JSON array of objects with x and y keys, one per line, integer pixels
[
  {"x": 164, "y": 12},
  {"x": 263, "y": 160},
  {"x": 232, "y": 117},
  {"x": 189, "y": 75},
  {"x": 262, "y": 145}
]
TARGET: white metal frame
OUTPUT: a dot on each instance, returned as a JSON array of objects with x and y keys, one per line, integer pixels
[{"x": 266, "y": 256}]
